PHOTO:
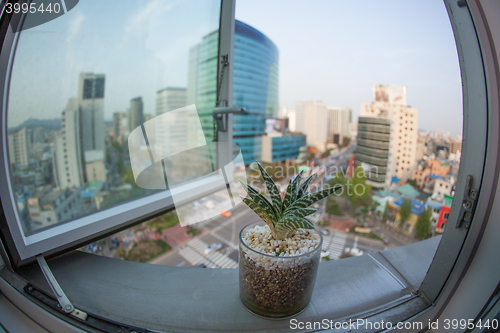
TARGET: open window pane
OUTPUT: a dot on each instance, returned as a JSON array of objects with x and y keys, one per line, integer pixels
[{"x": 90, "y": 104}]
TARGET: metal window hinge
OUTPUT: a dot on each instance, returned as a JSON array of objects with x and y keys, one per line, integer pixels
[
  {"x": 63, "y": 300},
  {"x": 468, "y": 204}
]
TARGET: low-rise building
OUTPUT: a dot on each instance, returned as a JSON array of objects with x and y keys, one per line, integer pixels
[
  {"x": 51, "y": 206},
  {"x": 277, "y": 147}
]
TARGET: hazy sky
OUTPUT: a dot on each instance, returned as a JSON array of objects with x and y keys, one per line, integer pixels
[
  {"x": 334, "y": 50},
  {"x": 329, "y": 50}
]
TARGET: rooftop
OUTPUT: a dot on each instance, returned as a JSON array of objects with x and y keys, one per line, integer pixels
[{"x": 408, "y": 190}]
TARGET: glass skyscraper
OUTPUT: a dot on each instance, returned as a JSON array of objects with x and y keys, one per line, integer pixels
[{"x": 255, "y": 85}]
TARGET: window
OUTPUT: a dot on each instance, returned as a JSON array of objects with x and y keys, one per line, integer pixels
[{"x": 460, "y": 243}]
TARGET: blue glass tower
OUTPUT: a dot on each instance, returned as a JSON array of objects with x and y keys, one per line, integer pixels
[{"x": 255, "y": 85}]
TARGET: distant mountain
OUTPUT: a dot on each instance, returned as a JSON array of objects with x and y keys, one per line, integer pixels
[{"x": 47, "y": 124}]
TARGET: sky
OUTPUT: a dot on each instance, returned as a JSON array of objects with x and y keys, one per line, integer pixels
[
  {"x": 330, "y": 50},
  {"x": 334, "y": 50}
]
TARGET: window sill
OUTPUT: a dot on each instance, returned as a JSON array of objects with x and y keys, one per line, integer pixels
[{"x": 376, "y": 286}]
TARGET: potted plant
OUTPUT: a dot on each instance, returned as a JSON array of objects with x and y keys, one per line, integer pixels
[{"x": 279, "y": 256}]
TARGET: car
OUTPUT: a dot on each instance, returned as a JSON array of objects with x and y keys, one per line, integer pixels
[
  {"x": 212, "y": 247},
  {"x": 354, "y": 251},
  {"x": 325, "y": 254},
  {"x": 225, "y": 213}
]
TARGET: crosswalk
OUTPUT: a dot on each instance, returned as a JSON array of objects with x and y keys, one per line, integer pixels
[
  {"x": 334, "y": 244},
  {"x": 192, "y": 251}
]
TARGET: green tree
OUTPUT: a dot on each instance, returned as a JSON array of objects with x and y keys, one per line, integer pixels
[
  {"x": 405, "y": 211},
  {"x": 386, "y": 210},
  {"x": 356, "y": 191},
  {"x": 120, "y": 166},
  {"x": 412, "y": 182},
  {"x": 424, "y": 223}
]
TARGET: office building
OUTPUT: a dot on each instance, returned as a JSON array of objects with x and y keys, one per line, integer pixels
[
  {"x": 135, "y": 115},
  {"x": 169, "y": 99},
  {"x": 312, "y": 120},
  {"x": 404, "y": 129},
  {"x": 346, "y": 122},
  {"x": 334, "y": 124},
  {"x": 373, "y": 150},
  {"x": 68, "y": 155},
  {"x": 278, "y": 148},
  {"x": 91, "y": 104},
  {"x": 19, "y": 147},
  {"x": 255, "y": 86}
]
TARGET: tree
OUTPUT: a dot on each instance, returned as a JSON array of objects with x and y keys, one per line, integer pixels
[
  {"x": 386, "y": 210},
  {"x": 355, "y": 190},
  {"x": 405, "y": 211},
  {"x": 424, "y": 223},
  {"x": 412, "y": 182}
]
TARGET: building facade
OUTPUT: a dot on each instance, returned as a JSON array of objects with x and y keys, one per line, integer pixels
[
  {"x": 404, "y": 135},
  {"x": 312, "y": 120},
  {"x": 169, "y": 99},
  {"x": 255, "y": 86},
  {"x": 373, "y": 150},
  {"x": 19, "y": 147},
  {"x": 135, "y": 113},
  {"x": 280, "y": 148}
]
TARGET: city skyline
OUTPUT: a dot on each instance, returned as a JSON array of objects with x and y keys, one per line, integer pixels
[
  {"x": 441, "y": 111},
  {"x": 334, "y": 51}
]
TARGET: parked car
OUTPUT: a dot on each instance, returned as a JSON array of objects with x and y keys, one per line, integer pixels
[
  {"x": 209, "y": 204},
  {"x": 212, "y": 247},
  {"x": 324, "y": 253}
]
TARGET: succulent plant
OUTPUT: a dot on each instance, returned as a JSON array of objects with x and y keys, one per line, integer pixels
[{"x": 285, "y": 216}]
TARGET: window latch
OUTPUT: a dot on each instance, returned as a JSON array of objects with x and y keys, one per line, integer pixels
[
  {"x": 468, "y": 204},
  {"x": 220, "y": 115},
  {"x": 63, "y": 300}
]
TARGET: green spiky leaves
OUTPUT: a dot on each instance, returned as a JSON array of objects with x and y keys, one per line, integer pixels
[{"x": 285, "y": 216}]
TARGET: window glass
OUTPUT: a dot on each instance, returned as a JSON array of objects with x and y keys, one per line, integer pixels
[
  {"x": 83, "y": 82},
  {"x": 329, "y": 90}
]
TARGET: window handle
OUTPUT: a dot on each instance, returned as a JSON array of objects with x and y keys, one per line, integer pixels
[
  {"x": 220, "y": 115},
  {"x": 468, "y": 204}
]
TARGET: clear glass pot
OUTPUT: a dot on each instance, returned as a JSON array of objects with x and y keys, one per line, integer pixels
[{"x": 275, "y": 286}]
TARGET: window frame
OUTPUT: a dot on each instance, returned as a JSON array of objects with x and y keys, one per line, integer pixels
[
  {"x": 444, "y": 278},
  {"x": 54, "y": 240}
]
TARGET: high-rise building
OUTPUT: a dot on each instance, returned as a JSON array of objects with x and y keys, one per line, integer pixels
[
  {"x": 135, "y": 113},
  {"x": 290, "y": 114},
  {"x": 404, "y": 130},
  {"x": 169, "y": 99},
  {"x": 255, "y": 85},
  {"x": 19, "y": 147},
  {"x": 68, "y": 156},
  {"x": 334, "y": 124},
  {"x": 373, "y": 150},
  {"x": 91, "y": 104},
  {"x": 312, "y": 120},
  {"x": 346, "y": 122}
]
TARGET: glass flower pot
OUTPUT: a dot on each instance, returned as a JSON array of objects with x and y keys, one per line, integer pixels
[{"x": 274, "y": 286}]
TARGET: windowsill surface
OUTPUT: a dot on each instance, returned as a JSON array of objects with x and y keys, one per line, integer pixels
[{"x": 173, "y": 299}]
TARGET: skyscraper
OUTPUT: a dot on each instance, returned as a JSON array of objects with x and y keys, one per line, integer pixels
[
  {"x": 91, "y": 104},
  {"x": 68, "y": 164},
  {"x": 169, "y": 99},
  {"x": 403, "y": 134},
  {"x": 346, "y": 122},
  {"x": 91, "y": 107},
  {"x": 255, "y": 85},
  {"x": 334, "y": 124},
  {"x": 135, "y": 113}
]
